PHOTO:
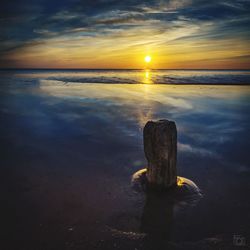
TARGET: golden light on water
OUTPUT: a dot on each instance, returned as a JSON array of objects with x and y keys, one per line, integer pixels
[
  {"x": 147, "y": 77},
  {"x": 147, "y": 59}
]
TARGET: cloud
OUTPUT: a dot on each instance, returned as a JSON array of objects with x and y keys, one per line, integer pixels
[
  {"x": 156, "y": 24},
  {"x": 194, "y": 150}
]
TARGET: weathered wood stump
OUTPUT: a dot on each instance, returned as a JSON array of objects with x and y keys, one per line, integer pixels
[{"x": 160, "y": 147}]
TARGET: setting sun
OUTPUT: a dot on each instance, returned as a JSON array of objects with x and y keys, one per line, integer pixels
[{"x": 147, "y": 59}]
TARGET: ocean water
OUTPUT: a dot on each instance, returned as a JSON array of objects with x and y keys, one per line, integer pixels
[
  {"x": 72, "y": 139},
  {"x": 234, "y": 77}
]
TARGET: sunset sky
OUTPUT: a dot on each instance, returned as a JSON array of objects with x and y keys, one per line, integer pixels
[{"x": 119, "y": 34}]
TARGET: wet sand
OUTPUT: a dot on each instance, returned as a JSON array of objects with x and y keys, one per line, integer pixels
[{"x": 69, "y": 151}]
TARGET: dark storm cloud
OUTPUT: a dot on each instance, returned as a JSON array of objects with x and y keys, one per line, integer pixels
[{"x": 24, "y": 22}]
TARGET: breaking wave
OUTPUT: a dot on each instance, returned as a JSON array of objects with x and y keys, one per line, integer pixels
[{"x": 155, "y": 77}]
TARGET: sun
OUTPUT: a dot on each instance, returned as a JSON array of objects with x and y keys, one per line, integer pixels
[{"x": 147, "y": 59}]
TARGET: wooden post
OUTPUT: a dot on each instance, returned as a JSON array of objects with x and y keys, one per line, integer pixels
[{"x": 160, "y": 147}]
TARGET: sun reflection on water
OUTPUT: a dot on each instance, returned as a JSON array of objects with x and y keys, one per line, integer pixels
[{"x": 147, "y": 77}]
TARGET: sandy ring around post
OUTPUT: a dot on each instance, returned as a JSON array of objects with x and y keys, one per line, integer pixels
[
  {"x": 185, "y": 194},
  {"x": 186, "y": 191}
]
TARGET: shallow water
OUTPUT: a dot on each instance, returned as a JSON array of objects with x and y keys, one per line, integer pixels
[
  {"x": 218, "y": 77},
  {"x": 70, "y": 148}
]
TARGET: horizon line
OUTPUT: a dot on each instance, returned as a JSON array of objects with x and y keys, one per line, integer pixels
[{"x": 119, "y": 69}]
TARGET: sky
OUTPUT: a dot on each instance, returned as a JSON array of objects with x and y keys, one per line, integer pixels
[{"x": 177, "y": 34}]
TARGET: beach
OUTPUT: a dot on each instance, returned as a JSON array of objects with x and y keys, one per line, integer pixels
[{"x": 71, "y": 141}]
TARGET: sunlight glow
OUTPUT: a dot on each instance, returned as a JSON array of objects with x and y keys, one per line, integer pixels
[
  {"x": 147, "y": 77},
  {"x": 180, "y": 181},
  {"x": 147, "y": 59}
]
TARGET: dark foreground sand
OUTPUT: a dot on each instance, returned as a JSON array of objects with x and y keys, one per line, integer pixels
[{"x": 68, "y": 153}]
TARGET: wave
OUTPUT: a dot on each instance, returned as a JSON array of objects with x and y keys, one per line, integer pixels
[{"x": 157, "y": 78}]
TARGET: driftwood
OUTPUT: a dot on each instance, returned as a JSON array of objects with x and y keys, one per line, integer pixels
[{"x": 160, "y": 147}]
